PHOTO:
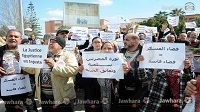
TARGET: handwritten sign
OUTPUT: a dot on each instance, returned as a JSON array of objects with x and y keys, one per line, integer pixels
[
  {"x": 163, "y": 56},
  {"x": 197, "y": 30},
  {"x": 107, "y": 36},
  {"x": 15, "y": 84},
  {"x": 196, "y": 63},
  {"x": 79, "y": 33},
  {"x": 114, "y": 27},
  {"x": 32, "y": 55},
  {"x": 151, "y": 29},
  {"x": 148, "y": 38},
  {"x": 103, "y": 65},
  {"x": 173, "y": 20},
  {"x": 140, "y": 29},
  {"x": 121, "y": 38},
  {"x": 70, "y": 45},
  {"x": 93, "y": 32},
  {"x": 190, "y": 24}
]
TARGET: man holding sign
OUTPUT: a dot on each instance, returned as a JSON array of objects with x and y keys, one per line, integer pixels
[
  {"x": 134, "y": 86},
  {"x": 54, "y": 80},
  {"x": 172, "y": 74},
  {"x": 10, "y": 71}
]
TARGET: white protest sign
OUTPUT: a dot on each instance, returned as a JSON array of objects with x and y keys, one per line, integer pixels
[
  {"x": 15, "y": 84},
  {"x": 79, "y": 33},
  {"x": 121, "y": 38},
  {"x": 107, "y": 36},
  {"x": 32, "y": 55},
  {"x": 163, "y": 56},
  {"x": 93, "y": 32},
  {"x": 173, "y": 20},
  {"x": 120, "y": 44},
  {"x": 197, "y": 30},
  {"x": 103, "y": 65},
  {"x": 148, "y": 38},
  {"x": 190, "y": 24},
  {"x": 140, "y": 29},
  {"x": 114, "y": 27},
  {"x": 70, "y": 45},
  {"x": 151, "y": 29}
]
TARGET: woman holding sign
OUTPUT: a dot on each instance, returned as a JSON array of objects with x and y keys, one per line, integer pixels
[
  {"x": 90, "y": 85},
  {"x": 109, "y": 87},
  {"x": 105, "y": 88}
]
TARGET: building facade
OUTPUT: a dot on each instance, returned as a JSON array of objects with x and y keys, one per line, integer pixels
[
  {"x": 192, "y": 17},
  {"x": 52, "y": 26},
  {"x": 81, "y": 14}
]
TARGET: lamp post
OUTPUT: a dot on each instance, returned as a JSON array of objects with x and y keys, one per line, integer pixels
[{"x": 21, "y": 16}]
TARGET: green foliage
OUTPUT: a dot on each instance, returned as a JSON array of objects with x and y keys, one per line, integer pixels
[
  {"x": 195, "y": 50},
  {"x": 197, "y": 20},
  {"x": 161, "y": 17},
  {"x": 32, "y": 21},
  {"x": 3, "y": 30},
  {"x": 62, "y": 27}
]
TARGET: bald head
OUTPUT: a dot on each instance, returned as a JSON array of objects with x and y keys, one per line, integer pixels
[
  {"x": 183, "y": 36},
  {"x": 132, "y": 35},
  {"x": 131, "y": 40}
]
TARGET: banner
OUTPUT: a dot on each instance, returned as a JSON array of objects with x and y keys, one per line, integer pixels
[
  {"x": 103, "y": 65},
  {"x": 15, "y": 84},
  {"x": 107, "y": 36},
  {"x": 190, "y": 24},
  {"x": 79, "y": 33},
  {"x": 32, "y": 55},
  {"x": 173, "y": 20},
  {"x": 70, "y": 45},
  {"x": 163, "y": 56}
]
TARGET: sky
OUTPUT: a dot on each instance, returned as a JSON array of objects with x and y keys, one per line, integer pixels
[{"x": 115, "y": 11}]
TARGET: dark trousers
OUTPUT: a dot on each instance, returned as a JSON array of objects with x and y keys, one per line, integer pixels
[
  {"x": 47, "y": 104},
  {"x": 30, "y": 103},
  {"x": 14, "y": 103}
]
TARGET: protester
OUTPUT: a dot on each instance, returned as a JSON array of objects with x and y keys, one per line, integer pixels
[
  {"x": 32, "y": 39},
  {"x": 92, "y": 91},
  {"x": 167, "y": 89},
  {"x": 56, "y": 82},
  {"x": 109, "y": 87},
  {"x": 13, "y": 39},
  {"x": 65, "y": 34},
  {"x": 30, "y": 103},
  {"x": 133, "y": 87},
  {"x": 194, "y": 42}
]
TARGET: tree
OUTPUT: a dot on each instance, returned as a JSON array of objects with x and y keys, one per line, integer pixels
[
  {"x": 31, "y": 21},
  {"x": 177, "y": 12},
  {"x": 161, "y": 17},
  {"x": 9, "y": 15},
  {"x": 197, "y": 20},
  {"x": 62, "y": 27},
  {"x": 3, "y": 30},
  {"x": 181, "y": 25},
  {"x": 157, "y": 20}
]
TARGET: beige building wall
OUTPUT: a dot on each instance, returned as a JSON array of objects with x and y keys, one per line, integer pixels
[
  {"x": 52, "y": 26},
  {"x": 81, "y": 14}
]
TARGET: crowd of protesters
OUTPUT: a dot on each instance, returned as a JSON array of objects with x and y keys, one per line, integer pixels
[{"x": 141, "y": 90}]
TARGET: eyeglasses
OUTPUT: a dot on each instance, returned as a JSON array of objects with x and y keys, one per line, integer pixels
[{"x": 53, "y": 41}]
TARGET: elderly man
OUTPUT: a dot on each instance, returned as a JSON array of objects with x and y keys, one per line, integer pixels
[
  {"x": 56, "y": 82},
  {"x": 67, "y": 35},
  {"x": 134, "y": 87},
  {"x": 13, "y": 39}
]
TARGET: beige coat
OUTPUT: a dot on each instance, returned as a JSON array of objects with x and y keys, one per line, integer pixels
[{"x": 61, "y": 77}]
